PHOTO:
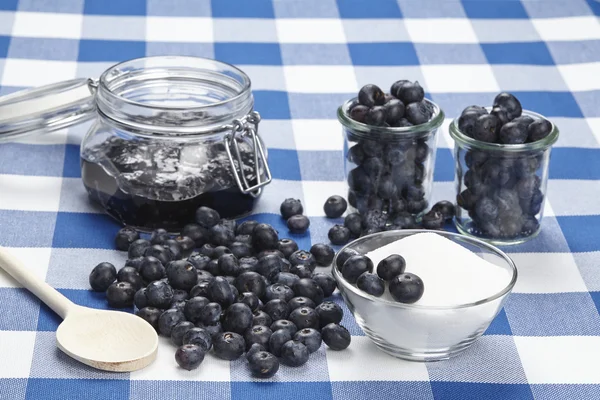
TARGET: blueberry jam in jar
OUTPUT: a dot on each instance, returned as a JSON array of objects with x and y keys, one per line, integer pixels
[{"x": 173, "y": 134}]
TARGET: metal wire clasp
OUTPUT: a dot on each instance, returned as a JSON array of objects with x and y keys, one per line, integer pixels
[{"x": 247, "y": 126}]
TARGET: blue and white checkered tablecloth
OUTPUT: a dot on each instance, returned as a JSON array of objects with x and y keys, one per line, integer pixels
[{"x": 304, "y": 59}]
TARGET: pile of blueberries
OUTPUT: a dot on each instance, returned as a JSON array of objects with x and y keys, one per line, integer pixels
[
  {"x": 229, "y": 287},
  {"x": 503, "y": 193},
  {"x": 386, "y": 174},
  {"x": 357, "y": 269}
]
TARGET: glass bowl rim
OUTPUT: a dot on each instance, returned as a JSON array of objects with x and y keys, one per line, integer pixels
[
  {"x": 542, "y": 144},
  {"x": 409, "y": 232}
]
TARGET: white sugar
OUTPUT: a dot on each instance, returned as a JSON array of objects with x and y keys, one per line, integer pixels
[{"x": 451, "y": 273}]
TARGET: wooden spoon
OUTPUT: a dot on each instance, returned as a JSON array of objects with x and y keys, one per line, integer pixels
[{"x": 106, "y": 340}]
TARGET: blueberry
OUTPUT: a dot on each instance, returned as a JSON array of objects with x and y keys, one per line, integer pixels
[
  {"x": 193, "y": 308},
  {"x": 466, "y": 200},
  {"x": 501, "y": 115},
  {"x": 137, "y": 248},
  {"x": 339, "y": 234},
  {"x": 269, "y": 266},
  {"x": 285, "y": 278},
  {"x": 486, "y": 209},
  {"x": 394, "y": 111},
  {"x": 189, "y": 356},
  {"x": 182, "y": 274},
  {"x": 277, "y": 309},
  {"x": 177, "y": 305},
  {"x": 159, "y": 294},
  {"x": 168, "y": 319},
  {"x": 323, "y": 254},
  {"x": 513, "y": 133},
  {"x": 391, "y": 266},
  {"x": 249, "y": 299},
  {"x": 102, "y": 276},
  {"x": 173, "y": 246},
  {"x": 396, "y": 86},
  {"x": 538, "y": 130},
  {"x": 509, "y": 227},
  {"x": 213, "y": 268},
  {"x": 310, "y": 337},
  {"x": 302, "y": 271},
  {"x": 486, "y": 128},
  {"x": 130, "y": 274},
  {"x": 229, "y": 346},
  {"x": 207, "y": 217},
  {"x": 248, "y": 264},
  {"x": 466, "y": 122},
  {"x": 302, "y": 257},
  {"x": 371, "y": 95},
  {"x": 353, "y": 222},
  {"x": 246, "y": 227},
  {"x": 359, "y": 112},
  {"x": 265, "y": 237},
  {"x": 406, "y": 288},
  {"x": 475, "y": 159},
  {"x": 220, "y": 291},
  {"x": 298, "y": 224},
  {"x": 307, "y": 287},
  {"x": 372, "y": 148},
  {"x": 277, "y": 340},
  {"x": 150, "y": 315},
  {"x": 291, "y": 207},
  {"x": 208, "y": 250},
  {"x": 374, "y": 219},
  {"x": 237, "y": 318},
  {"x": 135, "y": 263},
  {"x": 328, "y": 313},
  {"x": 326, "y": 282},
  {"x": 300, "y": 301},
  {"x": 294, "y": 353},
  {"x": 213, "y": 330},
  {"x": 229, "y": 265},
  {"x": 335, "y": 206},
  {"x": 509, "y": 104},
  {"x": 304, "y": 317},
  {"x": 418, "y": 113},
  {"x": 387, "y": 189},
  {"x": 253, "y": 349},
  {"x": 356, "y": 154},
  {"x": 530, "y": 225},
  {"x": 179, "y": 330},
  {"x": 287, "y": 247},
  {"x": 446, "y": 208},
  {"x": 151, "y": 269},
  {"x": 199, "y": 337},
  {"x": 359, "y": 181},
  {"x": 376, "y": 116},
  {"x": 284, "y": 324},
  {"x": 197, "y": 233},
  {"x": 433, "y": 220},
  {"x": 160, "y": 252},
  {"x": 336, "y": 336},
  {"x": 410, "y": 93},
  {"x": 243, "y": 239},
  {"x": 221, "y": 235},
  {"x": 373, "y": 166},
  {"x": 139, "y": 299},
  {"x": 371, "y": 284},
  {"x": 343, "y": 255},
  {"x": 159, "y": 236},
  {"x": 210, "y": 314},
  {"x": 125, "y": 237},
  {"x": 180, "y": 295},
  {"x": 263, "y": 364},
  {"x": 356, "y": 266},
  {"x": 250, "y": 282},
  {"x": 261, "y": 318},
  {"x": 402, "y": 123}
]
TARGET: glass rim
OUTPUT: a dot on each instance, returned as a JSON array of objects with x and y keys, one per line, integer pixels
[
  {"x": 244, "y": 90},
  {"x": 368, "y": 131},
  {"x": 542, "y": 144},
  {"x": 408, "y": 232}
]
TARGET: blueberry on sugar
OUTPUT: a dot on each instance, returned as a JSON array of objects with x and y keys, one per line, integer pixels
[
  {"x": 229, "y": 346},
  {"x": 277, "y": 309},
  {"x": 298, "y": 224},
  {"x": 290, "y": 207},
  {"x": 305, "y": 317},
  {"x": 189, "y": 356},
  {"x": 418, "y": 113},
  {"x": 102, "y": 276},
  {"x": 265, "y": 237},
  {"x": 279, "y": 291},
  {"x": 371, "y": 284},
  {"x": 509, "y": 104},
  {"x": 394, "y": 111},
  {"x": 167, "y": 321},
  {"x": 376, "y": 116},
  {"x": 446, "y": 208},
  {"x": 307, "y": 287},
  {"x": 371, "y": 95},
  {"x": 335, "y": 206},
  {"x": 406, "y": 288},
  {"x": 322, "y": 253},
  {"x": 513, "y": 133},
  {"x": 338, "y": 234},
  {"x": 391, "y": 266},
  {"x": 207, "y": 217},
  {"x": 137, "y": 248},
  {"x": 125, "y": 237},
  {"x": 285, "y": 325},
  {"x": 433, "y": 220},
  {"x": 198, "y": 336},
  {"x": 343, "y": 255},
  {"x": 294, "y": 353},
  {"x": 309, "y": 337},
  {"x": 196, "y": 232},
  {"x": 486, "y": 128},
  {"x": 328, "y": 313},
  {"x": 150, "y": 315},
  {"x": 326, "y": 282},
  {"x": 263, "y": 364},
  {"x": 336, "y": 336},
  {"x": 277, "y": 340},
  {"x": 356, "y": 266},
  {"x": 179, "y": 330},
  {"x": 538, "y": 130}
]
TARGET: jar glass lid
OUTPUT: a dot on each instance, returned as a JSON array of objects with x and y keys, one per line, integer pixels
[{"x": 46, "y": 109}]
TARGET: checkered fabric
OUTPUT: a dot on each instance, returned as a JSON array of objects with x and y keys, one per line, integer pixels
[{"x": 304, "y": 59}]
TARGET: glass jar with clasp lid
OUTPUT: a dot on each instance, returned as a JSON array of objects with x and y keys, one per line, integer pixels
[{"x": 170, "y": 134}]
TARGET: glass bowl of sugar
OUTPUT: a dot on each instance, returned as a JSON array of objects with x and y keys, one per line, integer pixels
[{"x": 466, "y": 282}]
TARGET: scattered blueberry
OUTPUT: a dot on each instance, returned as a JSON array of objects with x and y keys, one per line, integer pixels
[
  {"x": 102, "y": 276},
  {"x": 265, "y": 237},
  {"x": 151, "y": 269},
  {"x": 304, "y": 317},
  {"x": 150, "y": 315},
  {"x": 221, "y": 235},
  {"x": 353, "y": 222},
  {"x": 250, "y": 282},
  {"x": 277, "y": 309},
  {"x": 261, "y": 318},
  {"x": 286, "y": 278},
  {"x": 229, "y": 346},
  {"x": 125, "y": 237},
  {"x": 298, "y": 224},
  {"x": 339, "y": 234},
  {"x": 197, "y": 233},
  {"x": 249, "y": 299},
  {"x": 207, "y": 217},
  {"x": 179, "y": 330},
  {"x": 182, "y": 274},
  {"x": 139, "y": 299},
  {"x": 263, "y": 364},
  {"x": 335, "y": 206},
  {"x": 302, "y": 257},
  {"x": 159, "y": 236},
  {"x": 287, "y": 247},
  {"x": 433, "y": 220},
  {"x": 193, "y": 308},
  {"x": 189, "y": 356},
  {"x": 301, "y": 301},
  {"x": 336, "y": 336},
  {"x": 291, "y": 207},
  {"x": 446, "y": 208},
  {"x": 168, "y": 319},
  {"x": 284, "y": 324},
  {"x": 160, "y": 252},
  {"x": 326, "y": 282},
  {"x": 307, "y": 287},
  {"x": 198, "y": 336},
  {"x": 279, "y": 291},
  {"x": 210, "y": 314},
  {"x": 138, "y": 248},
  {"x": 120, "y": 294},
  {"x": 294, "y": 353},
  {"x": 277, "y": 340},
  {"x": 310, "y": 337}
]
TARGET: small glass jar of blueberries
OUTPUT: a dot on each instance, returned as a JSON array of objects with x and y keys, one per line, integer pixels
[
  {"x": 389, "y": 148},
  {"x": 502, "y": 155},
  {"x": 170, "y": 134}
]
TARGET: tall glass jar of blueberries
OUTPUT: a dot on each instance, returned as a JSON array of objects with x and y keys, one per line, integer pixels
[
  {"x": 502, "y": 155},
  {"x": 389, "y": 149}
]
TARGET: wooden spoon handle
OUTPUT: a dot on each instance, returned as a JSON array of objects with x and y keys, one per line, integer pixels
[{"x": 53, "y": 299}]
